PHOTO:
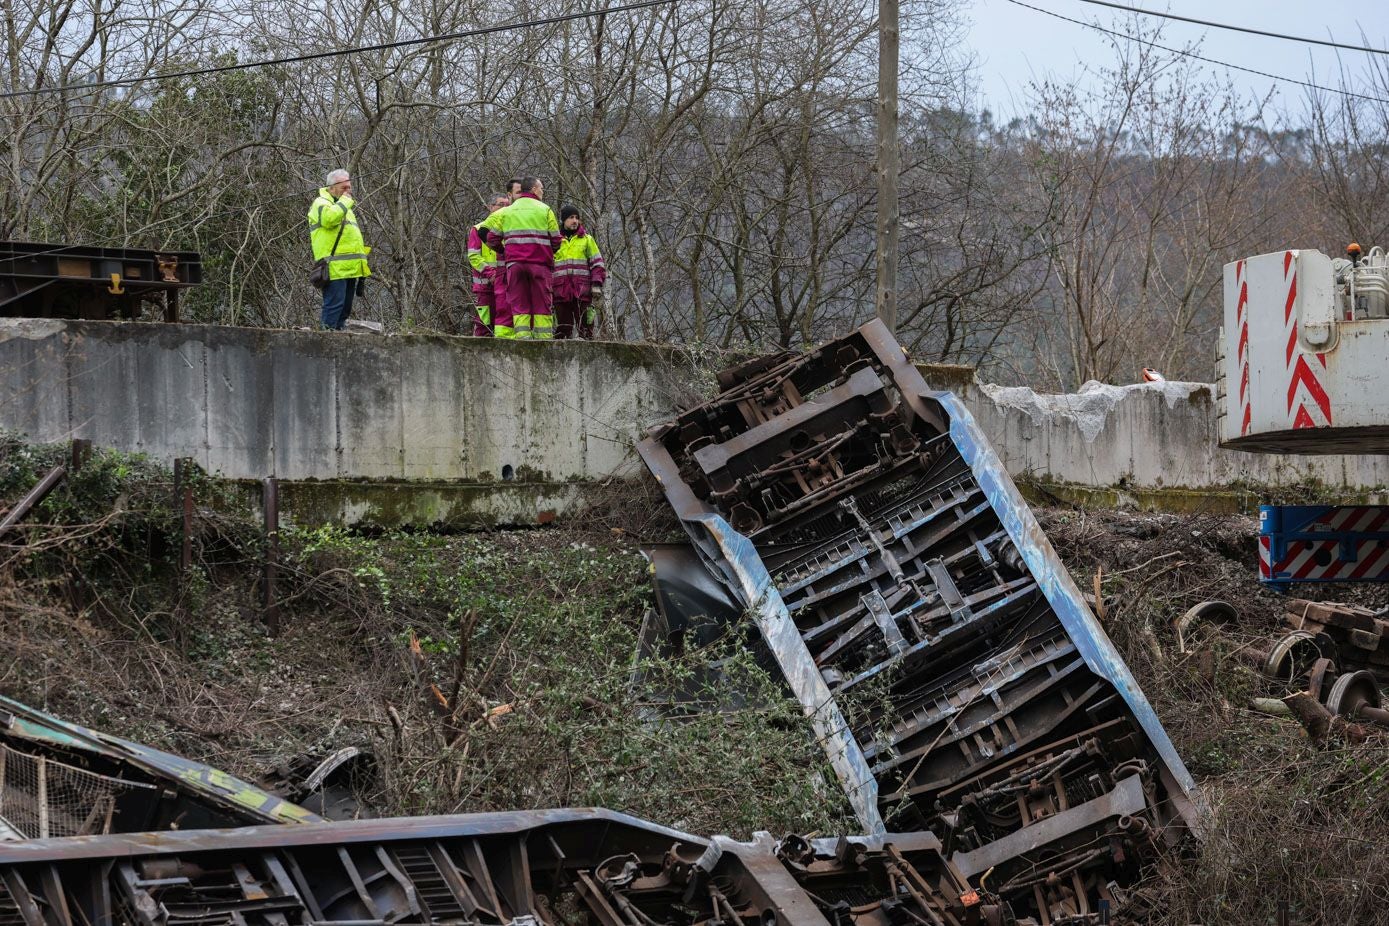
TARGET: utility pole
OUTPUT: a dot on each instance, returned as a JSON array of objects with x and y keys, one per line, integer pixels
[{"x": 889, "y": 160}]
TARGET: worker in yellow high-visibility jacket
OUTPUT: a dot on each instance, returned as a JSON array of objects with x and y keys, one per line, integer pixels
[
  {"x": 489, "y": 298},
  {"x": 579, "y": 277},
  {"x": 337, "y": 239}
]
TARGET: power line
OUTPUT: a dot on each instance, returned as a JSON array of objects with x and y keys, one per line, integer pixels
[
  {"x": 297, "y": 194},
  {"x": 337, "y": 52},
  {"x": 1245, "y": 29},
  {"x": 1191, "y": 54}
]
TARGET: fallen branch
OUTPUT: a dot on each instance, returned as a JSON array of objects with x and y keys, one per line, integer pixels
[
  {"x": 433, "y": 698},
  {"x": 1314, "y": 717},
  {"x": 1146, "y": 564}
]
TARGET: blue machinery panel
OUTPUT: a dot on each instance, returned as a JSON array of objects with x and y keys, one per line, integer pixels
[
  {"x": 945, "y": 658},
  {"x": 1323, "y": 543}
]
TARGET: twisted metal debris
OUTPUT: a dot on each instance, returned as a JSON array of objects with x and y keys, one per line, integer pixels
[
  {"x": 865, "y": 523},
  {"x": 524, "y": 867}
]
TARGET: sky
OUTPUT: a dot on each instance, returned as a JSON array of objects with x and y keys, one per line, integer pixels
[{"x": 1014, "y": 46}]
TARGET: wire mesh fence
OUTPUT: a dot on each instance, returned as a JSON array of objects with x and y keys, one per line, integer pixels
[{"x": 42, "y": 798}]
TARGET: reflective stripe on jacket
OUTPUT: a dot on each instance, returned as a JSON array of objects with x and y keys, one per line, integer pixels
[
  {"x": 482, "y": 259},
  {"x": 326, "y": 216},
  {"x": 578, "y": 267},
  {"x": 526, "y": 232}
]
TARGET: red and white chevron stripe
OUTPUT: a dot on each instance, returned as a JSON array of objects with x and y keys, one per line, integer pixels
[
  {"x": 1309, "y": 560},
  {"x": 1304, "y": 383},
  {"x": 1242, "y": 320}
]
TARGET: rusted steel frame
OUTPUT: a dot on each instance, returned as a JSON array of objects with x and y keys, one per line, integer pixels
[
  {"x": 183, "y": 497},
  {"x": 1373, "y": 714},
  {"x": 38, "y": 493},
  {"x": 1357, "y": 635},
  {"x": 1125, "y": 800},
  {"x": 773, "y": 883},
  {"x": 81, "y": 450},
  {"x": 15, "y": 290},
  {"x": 488, "y": 867},
  {"x": 859, "y": 465},
  {"x": 1026, "y": 687},
  {"x": 344, "y": 833},
  {"x": 92, "y": 282}
]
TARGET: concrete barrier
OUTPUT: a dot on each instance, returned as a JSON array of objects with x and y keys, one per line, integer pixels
[
  {"x": 452, "y": 415},
  {"x": 355, "y": 411},
  {"x": 1155, "y": 443}
]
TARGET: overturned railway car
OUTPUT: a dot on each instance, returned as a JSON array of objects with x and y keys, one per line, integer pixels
[
  {"x": 946, "y": 659},
  {"x": 526, "y": 868}
]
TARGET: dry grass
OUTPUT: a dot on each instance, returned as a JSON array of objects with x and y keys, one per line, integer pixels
[{"x": 485, "y": 671}]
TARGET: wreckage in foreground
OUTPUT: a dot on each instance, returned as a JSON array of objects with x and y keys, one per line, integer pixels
[
  {"x": 947, "y": 661},
  {"x": 536, "y": 867},
  {"x": 59, "y": 779},
  {"x": 73, "y": 803}
]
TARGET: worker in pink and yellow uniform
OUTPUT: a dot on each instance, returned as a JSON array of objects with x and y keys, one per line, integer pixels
[
  {"x": 579, "y": 277},
  {"x": 483, "y": 260},
  {"x": 501, "y": 308},
  {"x": 526, "y": 236}
]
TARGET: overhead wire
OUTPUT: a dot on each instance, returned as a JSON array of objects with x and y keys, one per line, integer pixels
[
  {"x": 440, "y": 38},
  {"x": 1245, "y": 29},
  {"x": 1191, "y": 54},
  {"x": 297, "y": 194}
]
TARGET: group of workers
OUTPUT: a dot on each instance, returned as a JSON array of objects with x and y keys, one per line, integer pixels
[{"x": 534, "y": 276}]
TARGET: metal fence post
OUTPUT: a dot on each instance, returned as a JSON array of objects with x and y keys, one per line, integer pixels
[
  {"x": 183, "y": 496},
  {"x": 270, "y": 504},
  {"x": 81, "y": 450}
]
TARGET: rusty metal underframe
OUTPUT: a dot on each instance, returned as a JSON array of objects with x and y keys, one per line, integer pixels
[
  {"x": 888, "y": 559},
  {"x": 527, "y": 867}
]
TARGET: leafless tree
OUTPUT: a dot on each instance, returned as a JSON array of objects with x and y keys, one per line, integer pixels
[{"x": 720, "y": 152}]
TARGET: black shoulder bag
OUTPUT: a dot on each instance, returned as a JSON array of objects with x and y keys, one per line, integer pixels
[{"x": 318, "y": 276}]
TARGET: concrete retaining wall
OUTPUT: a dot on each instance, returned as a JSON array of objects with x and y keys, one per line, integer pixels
[
  {"x": 250, "y": 403},
  {"x": 305, "y": 405},
  {"x": 1147, "y": 436}
]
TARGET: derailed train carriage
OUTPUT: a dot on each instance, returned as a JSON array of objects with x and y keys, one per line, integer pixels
[
  {"x": 877, "y": 541},
  {"x": 58, "y": 779},
  {"x": 100, "y": 831},
  {"x": 523, "y": 868}
]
